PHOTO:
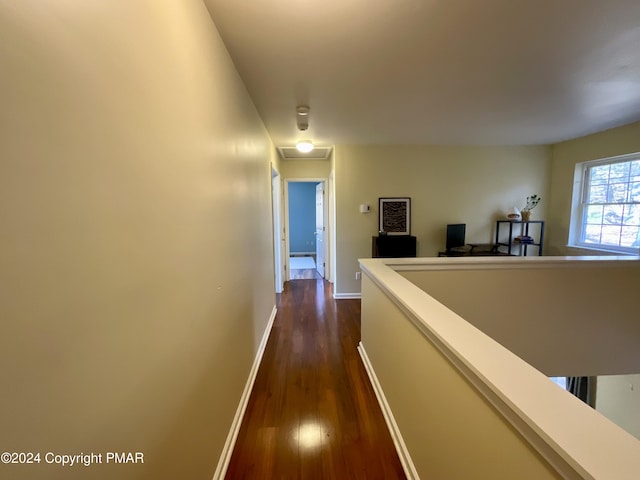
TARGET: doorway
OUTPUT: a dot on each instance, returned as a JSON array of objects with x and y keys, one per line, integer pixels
[{"x": 306, "y": 229}]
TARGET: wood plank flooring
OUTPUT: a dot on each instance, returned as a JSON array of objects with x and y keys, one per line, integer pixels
[{"x": 313, "y": 413}]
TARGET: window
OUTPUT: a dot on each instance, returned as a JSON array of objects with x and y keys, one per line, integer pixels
[
  {"x": 562, "y": 381},
  {"x": 606, "y": 215}
]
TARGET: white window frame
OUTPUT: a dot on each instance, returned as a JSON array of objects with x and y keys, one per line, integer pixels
[{"x": 579, "y": 204}]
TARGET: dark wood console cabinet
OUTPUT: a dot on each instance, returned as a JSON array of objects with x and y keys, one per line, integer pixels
[{"x": 393, "y": 246}]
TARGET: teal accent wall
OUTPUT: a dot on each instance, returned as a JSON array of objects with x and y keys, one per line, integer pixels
[{"x": 302, "y": 217}]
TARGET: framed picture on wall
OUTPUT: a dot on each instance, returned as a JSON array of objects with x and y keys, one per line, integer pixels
[{"x": 395, "y": 216}]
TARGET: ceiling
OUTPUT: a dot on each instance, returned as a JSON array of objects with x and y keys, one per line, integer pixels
[{"x": 472, "y": 72}]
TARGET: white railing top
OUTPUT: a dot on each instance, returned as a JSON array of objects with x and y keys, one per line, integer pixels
[{"x": 504, "y": 262}]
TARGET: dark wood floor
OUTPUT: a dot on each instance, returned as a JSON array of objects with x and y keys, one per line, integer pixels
[{"x": 313, "y": 413}]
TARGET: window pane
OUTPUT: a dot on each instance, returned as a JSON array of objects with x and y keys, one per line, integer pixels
[
  {"x": 610, "y": 235},
  {"x": 594, "y": 214},
  {"x": 599, "y": 175},
  {"x": 634, "y": 191},
  {"x": 592, "y": 234},
  {"x": 613, "y": 214},
  {"x": 617, "y": 193},
  {"x": 631, "y": 215},
  {"x": 630, "y": 237},
  {"x": 619, "y": 171},
  {"x": 597, "y": 194},
  {"x": 611, "y": 205}
]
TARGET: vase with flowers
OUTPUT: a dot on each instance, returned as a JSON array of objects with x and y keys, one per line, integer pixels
[{"x": 532, "y": 202}]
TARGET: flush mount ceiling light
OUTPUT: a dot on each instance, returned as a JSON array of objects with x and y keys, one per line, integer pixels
[{"x": 304, "y": 146}]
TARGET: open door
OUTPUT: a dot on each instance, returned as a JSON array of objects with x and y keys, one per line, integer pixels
[{"x": 320, "y": 228}]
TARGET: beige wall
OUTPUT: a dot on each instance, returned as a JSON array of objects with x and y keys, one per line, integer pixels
[
  {"x": 472, "y": 185},
  {"x": 618, "y": 398},
  {"x": 618, "y": 141},
  {"x": 565, "y": 321},
  {"x": 136, "y": 255},
  {"x": 305, "y": 168}
]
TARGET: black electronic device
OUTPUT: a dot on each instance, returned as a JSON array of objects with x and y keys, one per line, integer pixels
[{"x": 455, "y": 236}]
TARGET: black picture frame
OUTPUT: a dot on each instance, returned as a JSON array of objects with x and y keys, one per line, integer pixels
[{"x": 394, "y": 215}]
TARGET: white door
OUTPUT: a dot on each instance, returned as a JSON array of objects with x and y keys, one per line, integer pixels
[{"x": 320, "y": 228}]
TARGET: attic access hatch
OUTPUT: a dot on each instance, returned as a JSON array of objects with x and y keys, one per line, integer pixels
[{"x": 292, "y": 153}]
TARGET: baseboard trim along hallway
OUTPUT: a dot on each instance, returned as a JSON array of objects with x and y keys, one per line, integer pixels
[
  {"x": 347, "y": 296},
  {"x": 405, "y": 459},
  {"x": 227, "y": 450}
]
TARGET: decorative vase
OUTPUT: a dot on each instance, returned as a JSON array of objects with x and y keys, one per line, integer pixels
[
  {"x": 514, "y": 215},
  {"x": 526, "y": 215}
]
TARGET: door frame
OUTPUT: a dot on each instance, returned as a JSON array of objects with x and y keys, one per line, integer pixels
[
  {"x": 328, "y": 243},
  {"x": 278, "y": 232}
]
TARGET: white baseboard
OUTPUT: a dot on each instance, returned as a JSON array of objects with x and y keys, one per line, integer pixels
[
  {"x": 227, "y": 450},
  {"x": 401, "y": 448},
  {"x": 347, "y": 296}
]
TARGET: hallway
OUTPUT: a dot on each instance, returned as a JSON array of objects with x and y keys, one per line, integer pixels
[{"x": 313, "y": 413}]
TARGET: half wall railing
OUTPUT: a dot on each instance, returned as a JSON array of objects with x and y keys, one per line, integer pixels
[{"x": 462, "y": 405}]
